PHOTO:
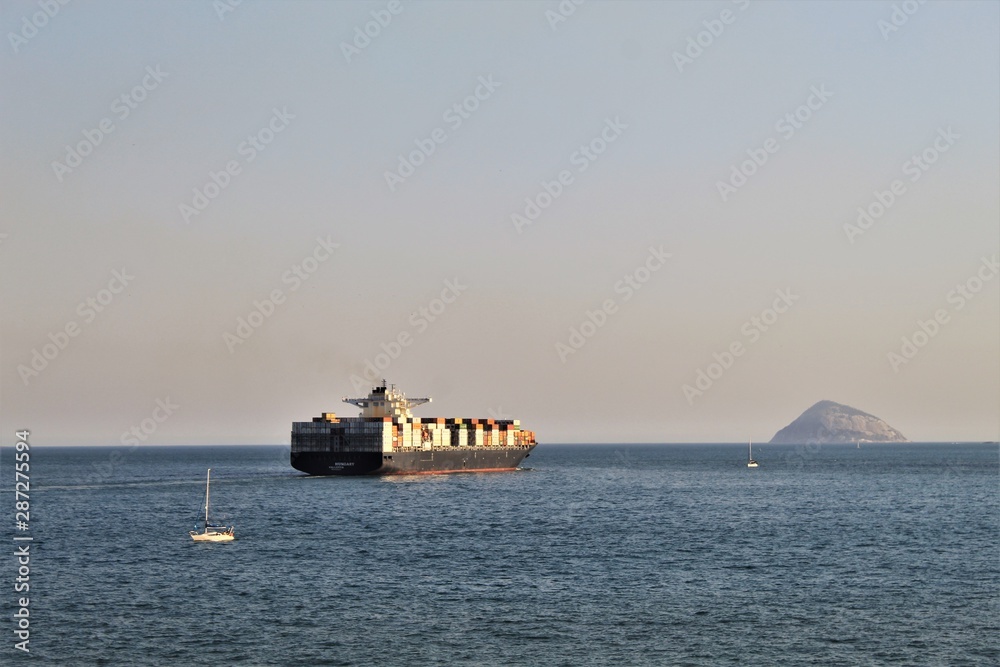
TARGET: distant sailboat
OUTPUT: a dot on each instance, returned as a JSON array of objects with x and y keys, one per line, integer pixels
[
  {"x": 212, "y": 532},
  {"x": 750, "y": 462}
]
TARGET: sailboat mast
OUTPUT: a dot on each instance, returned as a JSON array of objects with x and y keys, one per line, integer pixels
[
  {"x": 749, "y": 450},
  {"x": 208, "y": 483}
]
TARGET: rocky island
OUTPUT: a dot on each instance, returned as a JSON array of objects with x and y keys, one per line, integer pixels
[{"x": 828, "y": 423}]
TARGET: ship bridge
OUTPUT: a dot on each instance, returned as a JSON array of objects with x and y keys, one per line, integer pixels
[{"x": 386, "y": 401}]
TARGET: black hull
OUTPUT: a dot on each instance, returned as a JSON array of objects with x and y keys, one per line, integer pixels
[{"x": 438, "y": 461}]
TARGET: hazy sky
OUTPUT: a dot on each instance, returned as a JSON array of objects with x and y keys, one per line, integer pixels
[{"x": 466, "y": 182}]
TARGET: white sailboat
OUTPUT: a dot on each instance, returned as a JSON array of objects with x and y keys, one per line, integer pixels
[
  {"x": 750, "y": 462},
  {"x": 212, "y": 532}
]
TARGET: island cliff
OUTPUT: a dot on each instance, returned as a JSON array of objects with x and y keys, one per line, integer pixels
[{"x": 828, "y": 422}]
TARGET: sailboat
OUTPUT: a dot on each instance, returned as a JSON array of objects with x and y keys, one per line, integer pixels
[
  {"x": 750, "y": 462},
  {"x": 212, "y": 532}
]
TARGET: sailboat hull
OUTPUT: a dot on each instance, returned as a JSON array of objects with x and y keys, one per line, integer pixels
[{"x": 212, "y": 537}]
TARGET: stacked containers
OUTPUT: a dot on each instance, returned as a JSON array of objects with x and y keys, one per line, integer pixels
[
  {"x": 406, "y": 427},
  {"x": 436, "y": 430},
  {"x": 451, "y": 435},
  {"x": 425, "y": 435},
  {"x": 407, "y": 433},
  {"x": 387, "y": 434},
  {"x": 489, "y": 431}
]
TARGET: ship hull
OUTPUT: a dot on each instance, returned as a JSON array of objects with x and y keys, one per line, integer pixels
[{"x": 423, "y": 462}]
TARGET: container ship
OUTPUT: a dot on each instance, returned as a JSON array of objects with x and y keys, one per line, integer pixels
[{"x": 386, "y": 439}]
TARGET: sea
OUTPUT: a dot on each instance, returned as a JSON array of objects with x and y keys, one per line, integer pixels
[{"x": 591, "y": 555}]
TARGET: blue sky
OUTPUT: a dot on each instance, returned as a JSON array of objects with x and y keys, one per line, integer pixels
[{"x": 222, "y": 79}]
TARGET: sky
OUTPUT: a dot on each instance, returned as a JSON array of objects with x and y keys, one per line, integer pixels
[{"x": 614, "y": 221}]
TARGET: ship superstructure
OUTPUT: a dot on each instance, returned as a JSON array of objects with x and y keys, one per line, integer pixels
[{"x": 387, "y": 439}]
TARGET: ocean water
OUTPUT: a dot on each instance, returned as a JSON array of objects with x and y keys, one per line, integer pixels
[{"x": 596, "y": 555}]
